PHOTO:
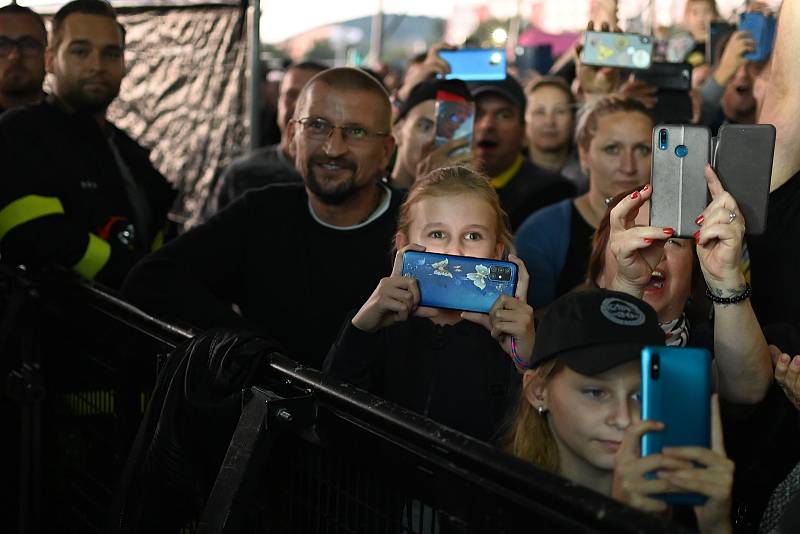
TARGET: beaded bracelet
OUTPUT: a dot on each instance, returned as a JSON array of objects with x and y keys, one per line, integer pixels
[{"x": 744, "y": 295}]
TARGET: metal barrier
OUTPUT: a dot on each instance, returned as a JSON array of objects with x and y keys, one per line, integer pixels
[{"x": 309, "y": 454}]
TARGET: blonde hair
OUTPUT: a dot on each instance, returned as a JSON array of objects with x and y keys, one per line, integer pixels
[
  {"x": 529, "y": 436},
  {"x": 591, "y": 113},
  {"x": 447, "y": 181}
]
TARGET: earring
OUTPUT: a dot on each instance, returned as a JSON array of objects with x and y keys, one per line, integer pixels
[{"x": 541, "y": 410}]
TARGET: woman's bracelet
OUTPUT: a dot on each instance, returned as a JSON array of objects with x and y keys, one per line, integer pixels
[{"x": 744, "y": 295}]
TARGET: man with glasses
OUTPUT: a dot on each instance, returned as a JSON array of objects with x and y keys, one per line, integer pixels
[
  {"x": 23, "y": 39},
  {"x": 77, "y": 191},
  {"x": 291, "y": 260}
]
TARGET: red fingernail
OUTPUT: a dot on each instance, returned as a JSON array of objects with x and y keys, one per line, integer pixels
[
  {"x": 698, "y": 221},
  {"x": 645, "y": 188},
  {"x": 697, "y": 237},
  {"x": 669, "y": 231},
  {"x": 634, "y": 195},
  {"x": 648, "y": 240}
]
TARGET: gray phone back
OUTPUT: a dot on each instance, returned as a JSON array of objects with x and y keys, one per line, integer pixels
[
  {"x": 743, "y": 161},
  {"x": 680, "y": 192}
]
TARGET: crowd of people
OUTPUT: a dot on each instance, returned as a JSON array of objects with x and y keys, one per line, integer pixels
[{"x": 304, "y": 240}]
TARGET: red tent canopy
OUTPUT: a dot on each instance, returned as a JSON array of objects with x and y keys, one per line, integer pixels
[{"x": 561, "y": 42}]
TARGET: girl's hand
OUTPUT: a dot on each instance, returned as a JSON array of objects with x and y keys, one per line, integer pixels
[
  {"x": 630, "y": 484},
  {"x": 787, "y": 374},
  {"x": 511, "y": 318},
  {"x": 715, "y": 480},
  {"x": 394, "y": 300},
  {"x": 719, "y": 240},
  {"x": 636, "y": 249}
]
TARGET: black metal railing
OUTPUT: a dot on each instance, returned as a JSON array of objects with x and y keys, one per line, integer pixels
[{"x": 310, "y": 454}]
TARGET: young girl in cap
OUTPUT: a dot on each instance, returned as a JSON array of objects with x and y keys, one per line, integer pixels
[
  {"x": 578, "y": 414},
  {"x": 455, "y": 367}
]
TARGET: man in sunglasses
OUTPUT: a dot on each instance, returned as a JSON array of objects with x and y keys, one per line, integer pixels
[
  {"x": 23, "y": 39},
  {"x": 292, "y": 258}
]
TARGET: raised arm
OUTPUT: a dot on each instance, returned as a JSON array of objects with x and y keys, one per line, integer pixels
[{"x": 782, "y": 98}]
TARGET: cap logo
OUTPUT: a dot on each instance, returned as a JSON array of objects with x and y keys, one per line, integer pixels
[{"x": 621, "y": 312}]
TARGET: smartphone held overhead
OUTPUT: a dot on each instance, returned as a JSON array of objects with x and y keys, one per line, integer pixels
[
  {"x": 460, "y": 282},
  {"x": 762, "y": 30},
  {"x": 620, "y": 50},
  {"x": 475, "y": 64},
  {"x": 680, "y": 192}
]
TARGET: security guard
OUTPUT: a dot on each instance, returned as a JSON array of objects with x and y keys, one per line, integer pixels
[{"x": 76, "y": 191}]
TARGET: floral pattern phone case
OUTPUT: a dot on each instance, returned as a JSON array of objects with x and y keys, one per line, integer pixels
[{"x": 460, "y": 282}]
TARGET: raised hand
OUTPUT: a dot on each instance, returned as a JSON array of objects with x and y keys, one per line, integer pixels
[
  {"x": 715, "y": 480},
  {"x": 637, "y": 250},
  {"x": 395, "y": 299},
  {"x": 510, "y": 321},
  {"x": 720, "y": 240}
]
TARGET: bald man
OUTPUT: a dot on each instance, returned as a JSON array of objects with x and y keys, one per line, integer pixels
[{"x": 293, "y": 258}]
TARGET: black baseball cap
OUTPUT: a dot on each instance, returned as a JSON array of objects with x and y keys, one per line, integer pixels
[
  {"x": 509, "y": 88},
  {"x": 596, "y": 330},
  {"x": 427, "y": 90}
]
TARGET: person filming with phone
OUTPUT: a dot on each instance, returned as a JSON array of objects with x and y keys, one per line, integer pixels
[
  {"x": 406, "y": 352},
  {"x": 578, "y": 414}
]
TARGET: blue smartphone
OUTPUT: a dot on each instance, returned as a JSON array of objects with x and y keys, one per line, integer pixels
[
  {"x": 460, "y": 282},
  {"x": 676, "y": 390},
  {"x": 475, "y": 64},
  {"x": 620, "y": 50},
  {"x": 762, "y": 30}
]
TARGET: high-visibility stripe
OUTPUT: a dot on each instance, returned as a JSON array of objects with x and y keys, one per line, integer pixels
[
  {"x": 158, "y": 241},
  {"x": 27, "y": 209},
  {"x": 95, "y": 258}
]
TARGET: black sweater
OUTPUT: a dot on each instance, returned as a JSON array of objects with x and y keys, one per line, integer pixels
[
  {"x": 457, "y": 375},
  {"x": 292, "y": 278}
]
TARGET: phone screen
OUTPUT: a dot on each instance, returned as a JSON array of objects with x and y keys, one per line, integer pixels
[
  {"x": 475, "y": 64},
  {"x": 622, "y": 50},
  {"x": 455, "y": 118}
]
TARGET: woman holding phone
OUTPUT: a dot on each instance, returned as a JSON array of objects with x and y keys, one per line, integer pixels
[
  {"x": 578, "y": 412},
  {"x": 406, "y": 353},
  {"x": 647, "y": 262}
]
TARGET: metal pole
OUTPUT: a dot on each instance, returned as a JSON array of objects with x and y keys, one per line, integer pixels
[
  {"x": 376, "y": 37},
  {"x": 254, "y": 100}
]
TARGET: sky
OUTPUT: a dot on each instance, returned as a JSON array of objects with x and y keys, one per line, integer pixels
[{"x": 284, "y": 18}]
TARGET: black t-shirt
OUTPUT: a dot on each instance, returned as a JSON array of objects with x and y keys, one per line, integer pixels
[
  {"x": 775, "y": 258},
  {"x": 578, "y": 252},
  {"x": 457, "y": 375},
  {"x": 291, "y": 277}
]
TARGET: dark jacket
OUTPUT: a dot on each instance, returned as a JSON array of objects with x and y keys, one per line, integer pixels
[
  {"x": 457, "y": 375},
  {"x": 186, "y": 430},
  {"x": 64, "y": 199},
  {"x": 530, "y": 189}
]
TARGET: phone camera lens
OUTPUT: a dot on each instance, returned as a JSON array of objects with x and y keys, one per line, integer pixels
[
  {"x": 662, "y": 139},
  {"x": 655, "y": 367}
]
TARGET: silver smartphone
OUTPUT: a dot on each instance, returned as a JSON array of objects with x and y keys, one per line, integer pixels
[{"x": 680, "y": 193}]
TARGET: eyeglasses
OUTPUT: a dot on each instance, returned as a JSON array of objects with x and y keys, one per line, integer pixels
[
  {"x": 320, "y": 130},
  {"x": 27, "y": 46}
]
